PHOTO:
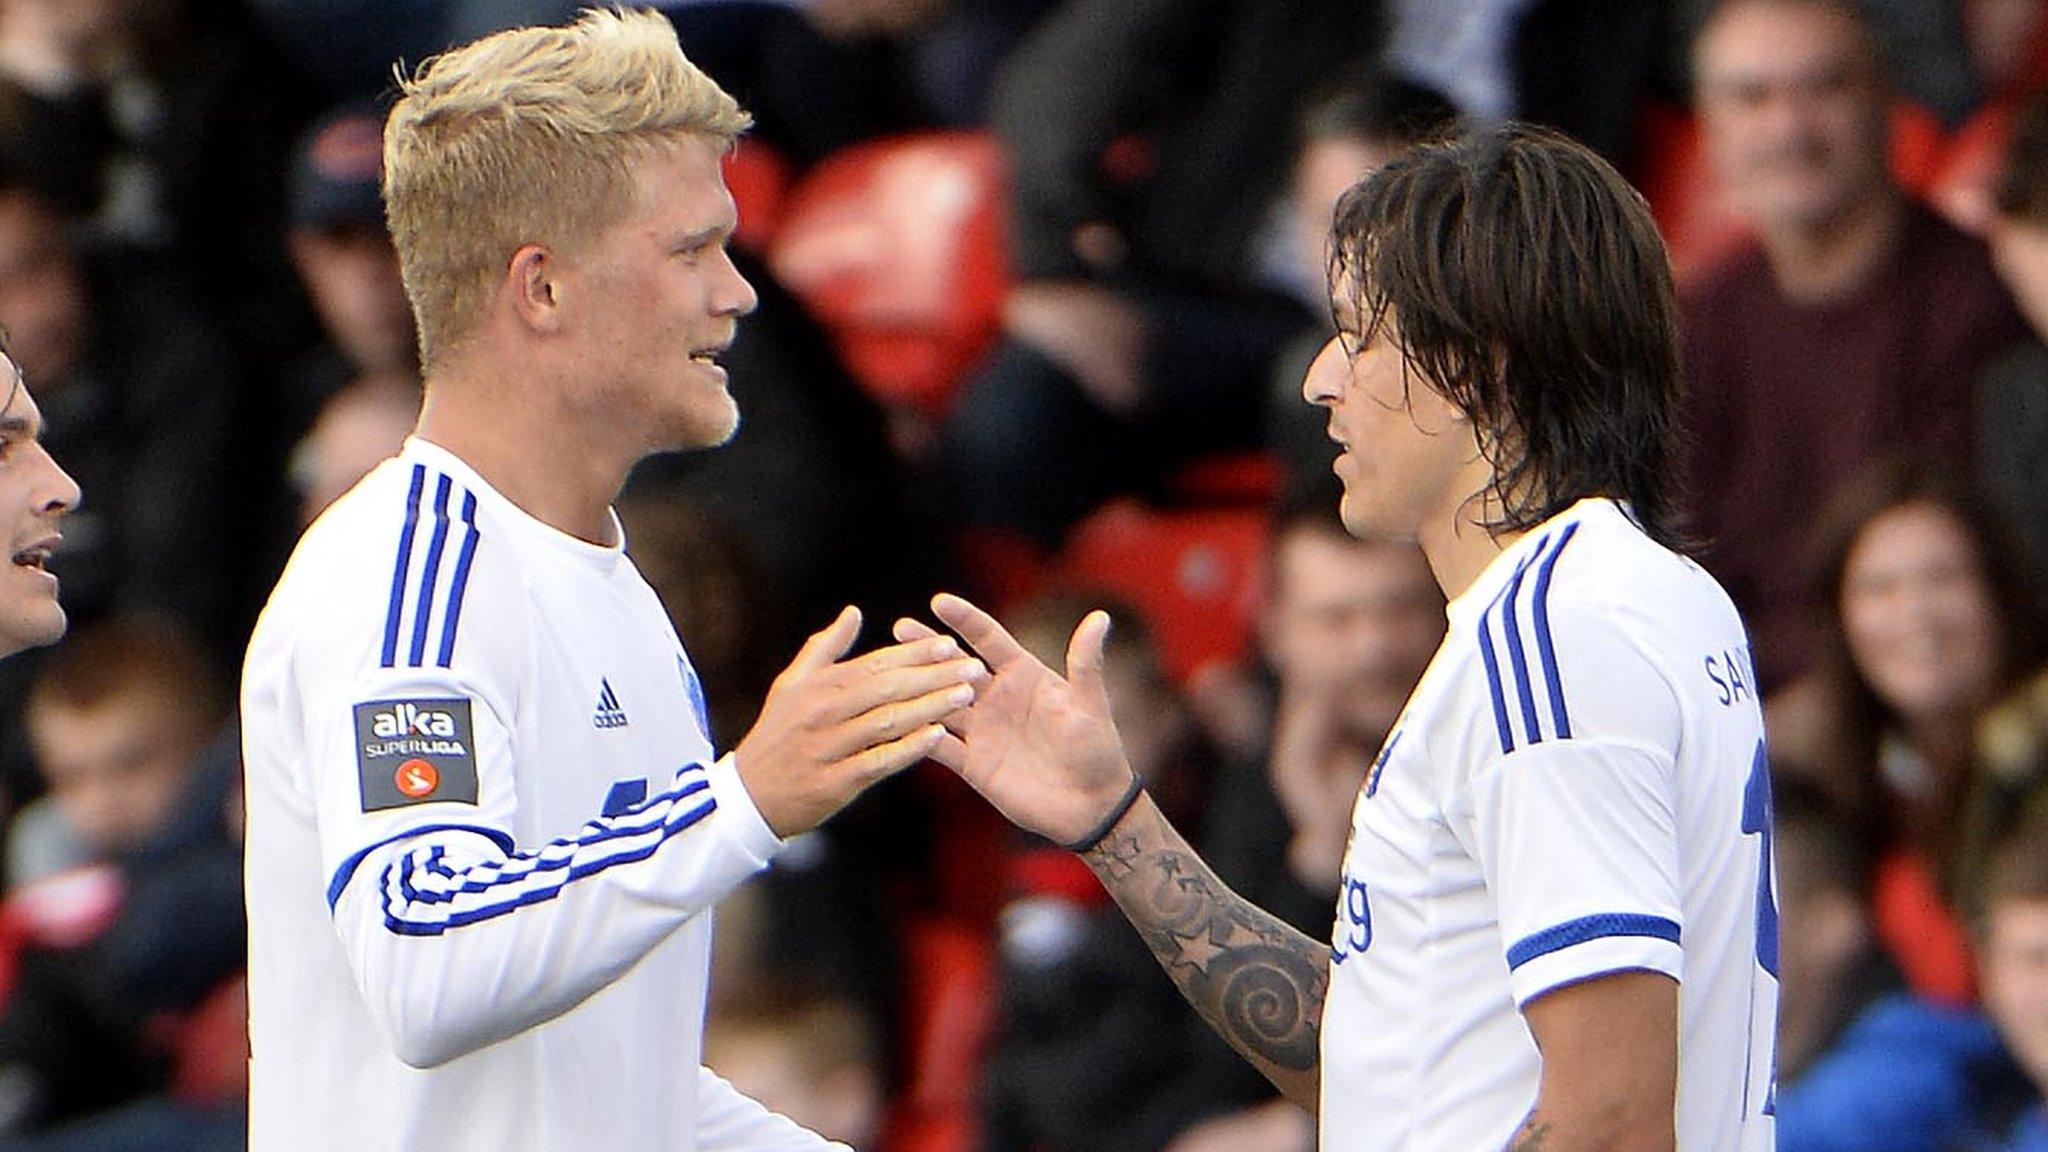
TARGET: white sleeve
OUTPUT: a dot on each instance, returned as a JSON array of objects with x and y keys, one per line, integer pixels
[
  {"x": 730, "y": 1122},
  {"x": 457, "y": 935},
  {"x": 1576, "y": 834}
]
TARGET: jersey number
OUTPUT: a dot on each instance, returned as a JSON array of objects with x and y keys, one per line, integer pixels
[
  {"x": 1354, "y": 922},
  {"x": 1756, "y": 818}
]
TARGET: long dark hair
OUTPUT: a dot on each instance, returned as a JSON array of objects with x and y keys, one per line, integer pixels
[
  {"x": 1853, "y": 714},
  {"x": 1527, "y": 283}
]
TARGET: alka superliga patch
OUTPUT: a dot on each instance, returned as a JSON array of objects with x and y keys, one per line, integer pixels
[{"x": 415, "y": 752}]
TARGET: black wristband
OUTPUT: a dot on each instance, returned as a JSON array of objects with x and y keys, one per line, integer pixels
[{"x": 1100, "y": 832}]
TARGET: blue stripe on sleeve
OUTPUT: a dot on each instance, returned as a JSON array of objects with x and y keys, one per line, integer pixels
[
  {"x": 430, "y": 574},
  {"x": 405, "y": 535},
  {"x": 425, "y": 881},
  {"x": 460, "y": 586},
  {"x": 552, "y": 857},
  {"x": 1500, "y": 704},
  {"x": 576, "y": 871},
  {"x": 1544, "y": 648},
  {"x": 1587, "y": 928},
  {"x": 339, "y": 883},
  {"x": 1518, "y": 659}
]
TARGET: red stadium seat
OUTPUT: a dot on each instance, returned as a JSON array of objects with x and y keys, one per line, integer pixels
[
  {"x": 949, "y": 1010},
  {"x": 211, "y": 1047},
  {"x": 759, "y": 178},
  {"x": 897, "y": 247},
  {"x": 1970, "y": 170},
  {"x": 1918, "y": 144},
  {"x": 1193, "y": 572},
  {"x": 1240, "y": 478},
  {"x": 1692, "y": 210}
]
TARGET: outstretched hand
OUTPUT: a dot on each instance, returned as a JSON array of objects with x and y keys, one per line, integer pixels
[
  {"x": 831, "y": 726},
  {"x": 1040, "y": 747}
]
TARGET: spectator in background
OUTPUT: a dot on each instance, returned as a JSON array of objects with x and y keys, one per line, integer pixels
[
  {"x": 1863, "y": 1064},
  {"x": 1577, "y": 65},
  {"x": 136, "y": 400},
  {"x": 358, "y": 428},
  {"x": 1345, "y": 135},
  {"x": 163, "y": 125},
  {"x": 951, "y": 49},
  {"x": 2012, "y": 941},
  {"x": 1857, "y": 326},
  {"x": 1830, "y": 966},
  {"x": 2012, "y": 944},
  {"x": 1136, "y": 335},
  {"x": 104, "y": 959},
  {"x": 812, "y": 1057},
  {"x": 343, "y": 258},
  {"x": 1927, "y": 622},
  {"x": 2012, "y": 405},
  {"x": 2006, "y": 41},
  {"x": 343, "y": 255},
  {"x": 115, "y": 729},
  {"x": 1933, "y": 48},
  {"x": 1347, "y": 629}
]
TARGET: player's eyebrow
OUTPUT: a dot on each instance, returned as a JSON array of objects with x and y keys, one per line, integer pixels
[
  {"x": 18, "y": 426},
  {"x": 716, "y": 233}
]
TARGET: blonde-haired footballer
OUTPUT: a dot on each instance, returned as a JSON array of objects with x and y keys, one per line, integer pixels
[{"x": 486, "y": 824}]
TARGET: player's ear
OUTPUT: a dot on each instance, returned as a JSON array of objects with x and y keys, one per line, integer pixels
[{"x": 532, "y": 281}]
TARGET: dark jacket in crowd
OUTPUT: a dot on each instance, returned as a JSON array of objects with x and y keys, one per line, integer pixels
[{"x": 1212, "y": 86}]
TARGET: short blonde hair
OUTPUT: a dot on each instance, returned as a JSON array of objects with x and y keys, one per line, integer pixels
[{"x": 527, "y": 137}]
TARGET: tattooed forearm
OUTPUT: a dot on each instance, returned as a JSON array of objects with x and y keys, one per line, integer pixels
[
  {"x": 1533, "y": 1138},
  {"x": 1256, "y": 980}
]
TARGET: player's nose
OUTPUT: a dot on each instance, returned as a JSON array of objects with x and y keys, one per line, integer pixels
[
  {"x": 1324, "y": 381},
  {"x": 736, "y": 295},
  {"x": 56, "y": 492}
]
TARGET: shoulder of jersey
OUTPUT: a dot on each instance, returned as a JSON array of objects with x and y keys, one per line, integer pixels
[
  {"x": 402, "y": 554},
  {"x": 1590, "y": 596},
  {"x": 1603, "y": 576},
  {"x": 1608, "y": 564}
]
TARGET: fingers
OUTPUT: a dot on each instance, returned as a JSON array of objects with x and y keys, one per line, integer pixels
[
  {"x": 980, "y": 630},
  {"x": 908, "y": 630},
  {"x": 917, "y": 652},
  {"x": 951, "y": 751},
  {"x": 897, "y": 714},
  {"x": 828, "y": 645},
  {"x": 1084, "y": 657},
  {"x": 888, "y": 759},
  {"x": 852, "y": 690}
]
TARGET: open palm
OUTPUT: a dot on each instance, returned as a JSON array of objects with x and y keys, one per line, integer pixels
[{"x": 1040, "y": 747}]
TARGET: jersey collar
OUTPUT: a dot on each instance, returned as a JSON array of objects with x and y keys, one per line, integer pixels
[{"x": 603, "y": 557}]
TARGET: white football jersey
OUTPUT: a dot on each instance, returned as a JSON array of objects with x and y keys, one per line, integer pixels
[
  {"x": 485, "y": 831},
  {"x": 1577, "y": 787}
]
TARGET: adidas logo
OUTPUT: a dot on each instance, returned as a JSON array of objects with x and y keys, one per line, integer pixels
[{"x": 609, "y": 714}]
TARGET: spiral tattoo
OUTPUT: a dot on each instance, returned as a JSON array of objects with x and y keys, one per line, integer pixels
[
  {"x": 1263, "y": 991},
  {"x": 1258, "y": 982}
]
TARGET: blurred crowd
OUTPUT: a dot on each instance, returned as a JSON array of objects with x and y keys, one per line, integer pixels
[{"x": 1039, "y": 281}]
